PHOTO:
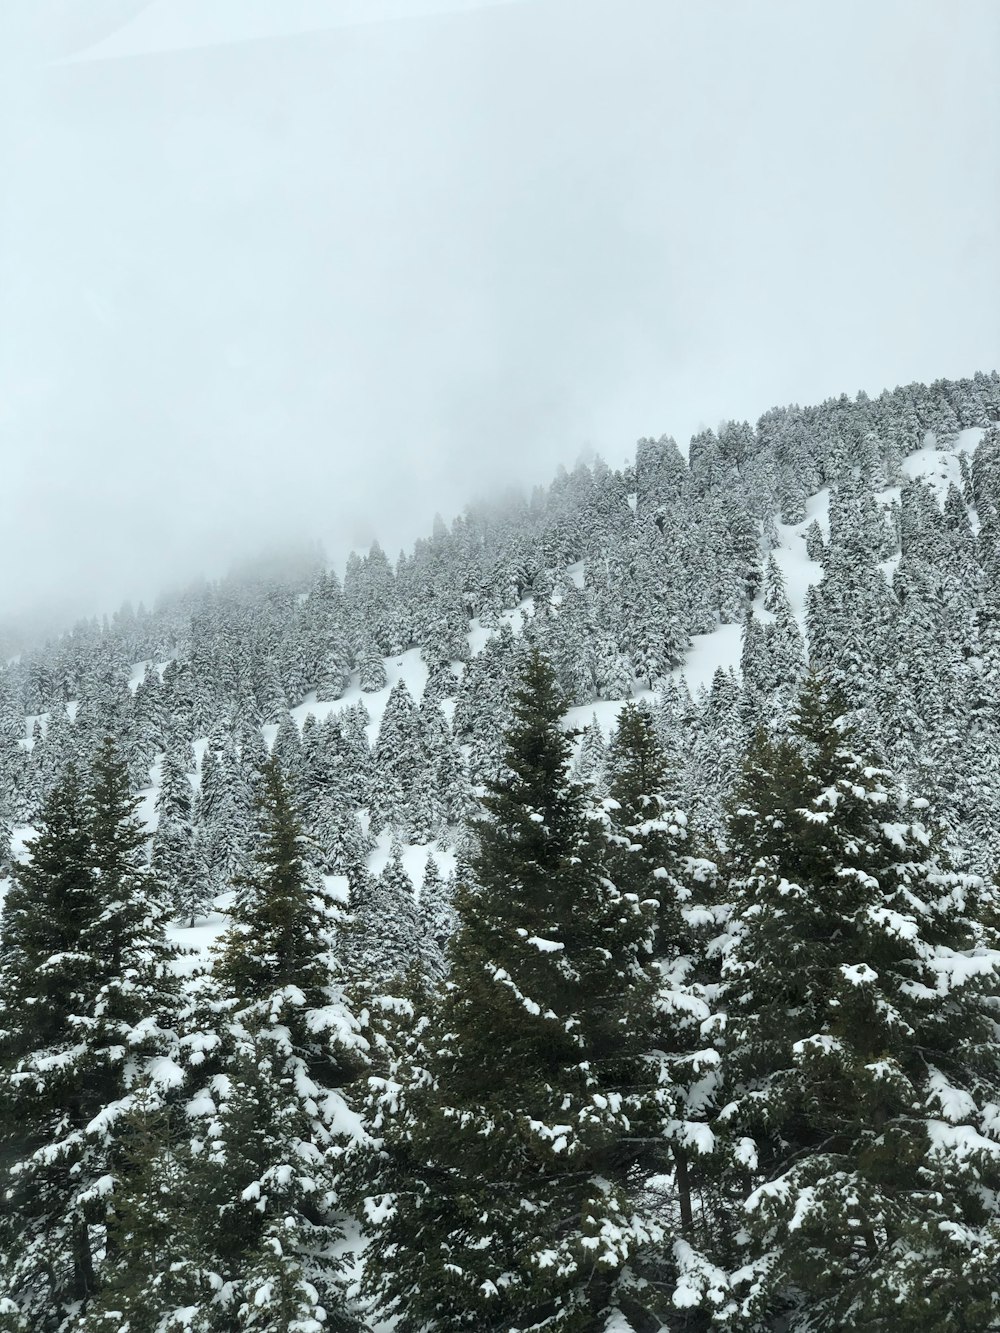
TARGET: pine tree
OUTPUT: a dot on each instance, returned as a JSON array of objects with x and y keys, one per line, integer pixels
[
  {"x": 152, "y": 1270},
  {"x": 279, "y": 913},
  {"x": 861, "y": 1055},
  {"x": 371, "y": 668},
  {"x": 385, "y": 930},
  {"x": 591, "y": 761},
  {"x": 652, "y": 855},
  {"x": 398, "y": 759},
  {"x": 89, "y": 998},
  {"x": 265, "y": 1163},
  {"x": 512, "y": 1209},
  {"x": 174, "y": 855},
  {"x": 437, "y": 920}
]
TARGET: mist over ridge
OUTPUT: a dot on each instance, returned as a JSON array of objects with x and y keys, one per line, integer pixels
[{"x": 328, "y": 283}]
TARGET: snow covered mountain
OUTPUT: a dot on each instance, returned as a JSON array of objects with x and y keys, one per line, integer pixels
[
  {"x": 307, "y": 759},
  {"x": 868, "y": 523}
]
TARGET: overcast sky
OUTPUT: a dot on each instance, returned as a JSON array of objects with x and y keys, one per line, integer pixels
[{"x": 287, "y": 268}]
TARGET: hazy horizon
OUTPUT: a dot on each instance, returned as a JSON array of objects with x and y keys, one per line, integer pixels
[{"x": 317, "y": 270}]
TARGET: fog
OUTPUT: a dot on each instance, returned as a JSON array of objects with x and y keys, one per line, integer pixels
[{"x": 286, "y": 269}]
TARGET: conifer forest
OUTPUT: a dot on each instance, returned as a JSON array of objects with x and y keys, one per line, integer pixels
[{"x": 587, "y": 922}]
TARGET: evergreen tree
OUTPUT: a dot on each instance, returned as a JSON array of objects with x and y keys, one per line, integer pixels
[
  {"x": 652, "y": 856},
  {"x": 861, "y": 1056},
  {"x": 398, "y": 766},
  {"x": 280, "y": 914},
  {"x": 385, "y": 930},
  {"x": 513, "y": 1130},
  {"x": 89, "y": 1000},
  {"x": 152, "y": 1268},
  {"x": 266, "y": 1154},
  {"x": 437, "y": 920},
  {"x": 371, "y": 668},
  {"x": 174, "y": 855},
  {"x": 591, "y": 760}
]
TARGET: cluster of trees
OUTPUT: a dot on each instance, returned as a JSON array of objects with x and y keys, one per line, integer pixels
[
  {"x": 648, "y": 1084},
  {"x": 749, "y": 1091},
  {"x": 620, "y": 569},
  {"x": 169, "y": 1135}
]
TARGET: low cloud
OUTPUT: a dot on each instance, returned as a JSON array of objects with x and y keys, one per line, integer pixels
[{"x": 260, "y": 287}]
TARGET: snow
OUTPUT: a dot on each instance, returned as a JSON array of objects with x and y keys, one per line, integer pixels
[
  {"x": 516, "y": 617},
  {"x": 478, "y": 637},
  {"x": 858, "y": 975},
  {"x": 955, "y": 1104},
  {"x": 166, "y": 1072},
  {"x": 803, "y": 1207},
  {"x": 409, "y": 667},
  {"x": 337, "y": 888},
  {"x": 146, "y": 809},
  {"x": 347, "y": 1121},
  {"x": 544, "y": 946},
  {"x": 951, "y": 1135},
  {"x": 745, "y": 1153},
  {"x": 605, "y": 710},
  {"x": 959, "y": 1142},
  {"x": 708, "y": 652},
  {"x": 21, "y": 840},
  {"x": 799, "y": 572},
  {"x": 196, "y": 941},
  {"x": 137, "y": 673},
  {"x": 722, "y": 647},
  {"x": 576, "y": 573},
  {"x": 617, "y": 1323},
  {"x": 28, "y": 740},
  {"x": 414, "y": 858},
  {"x": 939, "y": 468}
]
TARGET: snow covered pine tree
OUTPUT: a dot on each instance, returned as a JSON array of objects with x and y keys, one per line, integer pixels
[
  {"x": 513, "y": 1125},
  {"x": 862, "y": 1056},
  {"x": 89, "y": 1002}
]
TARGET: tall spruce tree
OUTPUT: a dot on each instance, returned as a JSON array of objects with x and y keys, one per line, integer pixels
[
  {"x": 652, "y": 854},
  {"x": 508, "y": 1148},
  {"x": 268, "y": 1138},
  {"x": 89, "y": 1001},
  {"x": 862, "y": 1062}
]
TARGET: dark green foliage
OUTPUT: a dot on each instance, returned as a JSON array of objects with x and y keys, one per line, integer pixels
[
  {"x": 264, "y": 1159},
  {"x": 89, "y": 999},
  {"x": 861, "y": 1030},
  {"x": 515, "y": 1124},
  {"x": 861, "y": 1050},
  {"x": 280, "y": 913},
  {"x": 651, "y": 854}
]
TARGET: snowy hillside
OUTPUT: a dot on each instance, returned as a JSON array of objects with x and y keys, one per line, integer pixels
[
  {"x": 376, "y": 990},
  {"x": 697, "y": 657}
]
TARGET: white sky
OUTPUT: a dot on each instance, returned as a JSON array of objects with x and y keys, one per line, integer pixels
[{"x": 284, "y": 268}]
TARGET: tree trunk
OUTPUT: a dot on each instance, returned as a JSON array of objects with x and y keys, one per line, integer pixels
[
  {"x": 83, "y": 1262},
  {"x": 684, "y": 1192}
]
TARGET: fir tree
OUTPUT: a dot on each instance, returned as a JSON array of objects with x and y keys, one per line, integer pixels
[
  {"x": 174, "y": 855},
  {"x": 437, "y": 920},
  {"x": 152, "y": 1269},
  {"x": 591, "y": 760},
  {"x": 89, "y": 997},
  {"x": 861, "y": 1052},
  {"x": 652, "y": 856},
  {"x": 513, "y": 1129},
  {"x": 279, "y": 912},
  {"x": 265, "y": 1162},
  {"x": 385, "y": 931}
]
